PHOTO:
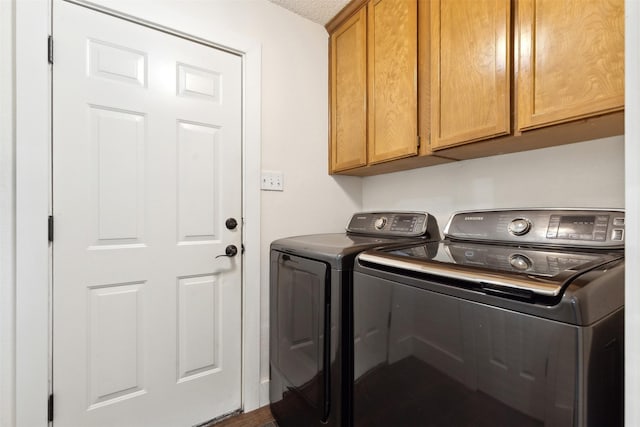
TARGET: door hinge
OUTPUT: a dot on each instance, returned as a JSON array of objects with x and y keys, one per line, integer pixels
[
  {"x": 418, "y": 141},
  {"x": 50, "y": 49},
  {"x": 50, "y": 408},
  {"x": 50, "y": 229}
]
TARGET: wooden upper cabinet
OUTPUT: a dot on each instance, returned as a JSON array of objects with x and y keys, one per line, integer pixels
[
  {"x": 470, "y": 71},
  {"x": 349, "y": 94},
  {"x": 571, "y": 60},
  {"x": 392, "y": 79},
  {"x": 480, "y": 70}
]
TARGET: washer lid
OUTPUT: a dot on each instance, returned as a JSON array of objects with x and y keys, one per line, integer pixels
[
  {"x": 337, "y": 249},
  {"x": 502, "y": 270}
]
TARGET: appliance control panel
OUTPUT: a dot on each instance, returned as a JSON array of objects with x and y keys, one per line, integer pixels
[
  {"x": 399, "y": 224},
  {"x": 560, "y": 227}
]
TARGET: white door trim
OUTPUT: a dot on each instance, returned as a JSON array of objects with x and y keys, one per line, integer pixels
[
  {"x": 7, "y": 215},
  {"x": 33, "y": 141},
  {"x": 32, "y": 208}
]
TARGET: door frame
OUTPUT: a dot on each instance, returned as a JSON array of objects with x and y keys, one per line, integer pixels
[{"x": 33, "y": 205}]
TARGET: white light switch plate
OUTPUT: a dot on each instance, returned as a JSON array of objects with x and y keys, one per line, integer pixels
[{"x": 272, "y": 181}]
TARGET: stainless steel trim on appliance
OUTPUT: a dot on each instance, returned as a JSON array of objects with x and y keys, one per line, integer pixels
[
  {"x": 567, "y": 227},
  {"x": 396, "y": 224},
  {"x": 536, "y": 285}
]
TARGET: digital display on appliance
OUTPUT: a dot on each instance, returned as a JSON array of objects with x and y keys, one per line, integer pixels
[
  {"x": 403, "y": 223},
  {"x": 576, "y": 227}
]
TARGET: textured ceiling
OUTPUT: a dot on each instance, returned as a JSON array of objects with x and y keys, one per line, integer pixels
[{"x": 320, "y": 11}]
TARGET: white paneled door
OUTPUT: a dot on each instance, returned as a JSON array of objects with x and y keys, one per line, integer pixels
[{"x": 146, "y": 171}]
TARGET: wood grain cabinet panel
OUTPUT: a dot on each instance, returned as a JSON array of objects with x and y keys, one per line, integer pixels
[
  {"x": 392, "y": 79},
  {"x": 571, "y": 60},
  {"x": 470, "y": 71},
  {"x": 553, "y": 70},
  {"x": 349, "y": 94}
]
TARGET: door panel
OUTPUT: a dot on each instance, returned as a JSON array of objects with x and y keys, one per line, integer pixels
[
  {"x": 470, "y": 71},
  {"x": 146, "y": 168},
  {"x": 198, "y": 160},
  {"x": 115, "y": 371},
  {"x": 299, "y": 297},
  {"x": 116, "y": 157},
  {"x": 571, "y": 60},
  {"x": 349, "y": 94},
  {"x": 198, "y": 340},
  {"x": 392, "y": 69}
]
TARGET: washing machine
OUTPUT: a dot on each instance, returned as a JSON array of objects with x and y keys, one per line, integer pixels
[{"x": 516, "y": 320}]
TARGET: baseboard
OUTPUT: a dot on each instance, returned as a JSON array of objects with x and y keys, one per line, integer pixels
[{"x": 264, "y": 393}]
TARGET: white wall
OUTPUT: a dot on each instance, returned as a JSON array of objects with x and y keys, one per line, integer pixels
[
  {"x": 586, "y": 174},
  {"x": 632, "y": 183},
  {"x": 7, "y": 217}
]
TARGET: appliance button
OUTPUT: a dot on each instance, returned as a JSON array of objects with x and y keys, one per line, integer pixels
[
  {"x": 617, "y": 234},
  {"x": 519, "y": 226},
  {"x": 618, "y": 221},
  {"x": 520, "y": 262},
  {"x": 380, "y": 223}
]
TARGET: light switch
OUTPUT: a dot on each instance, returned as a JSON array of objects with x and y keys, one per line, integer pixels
[{"x": 272, "y": 181}]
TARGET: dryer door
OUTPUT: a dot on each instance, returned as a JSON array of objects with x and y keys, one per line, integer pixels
[{"x": 300, "y": 321}]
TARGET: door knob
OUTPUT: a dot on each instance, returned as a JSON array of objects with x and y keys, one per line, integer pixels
[
  {"x": 230, "y": 251},
  {"x": 231, "y": 223}
]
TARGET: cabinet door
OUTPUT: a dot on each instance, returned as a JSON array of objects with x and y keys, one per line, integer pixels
[
  {"x": 571, "y": 60},
  {"x": 349, "y": 94},
  {"x": 392, "y": 72},
  {"x": 470, "y": 71}
]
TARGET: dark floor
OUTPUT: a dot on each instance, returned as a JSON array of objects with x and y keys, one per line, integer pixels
[
  {"x": 410, "y": 393},
  {"x": 259, "y": 418}
]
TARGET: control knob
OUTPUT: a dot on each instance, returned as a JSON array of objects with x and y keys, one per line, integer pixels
[
  {"x": 380, "y": 223},
  {"x": 519, "y": 226},
  {"x": 520, "y": 262}
]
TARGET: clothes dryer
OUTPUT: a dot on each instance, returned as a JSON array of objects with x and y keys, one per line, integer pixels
[{"x": 311, "y": 314}]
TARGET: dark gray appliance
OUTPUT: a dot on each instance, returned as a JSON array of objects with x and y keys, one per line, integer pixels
[
  {"x": 311, "y": 300},
  {"x": 515, "y": 320}
]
